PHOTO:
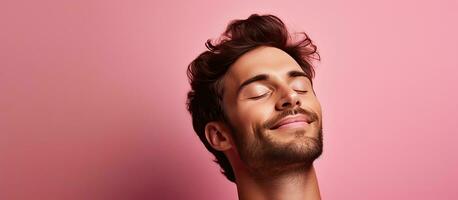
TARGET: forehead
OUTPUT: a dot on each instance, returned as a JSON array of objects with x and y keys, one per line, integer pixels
[{"x": 262, "y": 60}]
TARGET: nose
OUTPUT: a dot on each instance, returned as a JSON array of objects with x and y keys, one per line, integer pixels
[{"x": 289, "y": 99}]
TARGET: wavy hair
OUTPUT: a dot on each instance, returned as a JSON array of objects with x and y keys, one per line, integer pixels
[{"x": 205, "y": 73}]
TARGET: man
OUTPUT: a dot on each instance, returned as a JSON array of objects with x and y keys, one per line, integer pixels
[{"x": 253, "y": 106}]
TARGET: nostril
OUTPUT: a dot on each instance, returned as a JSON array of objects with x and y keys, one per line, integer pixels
[{"x": 286, "y": 104}]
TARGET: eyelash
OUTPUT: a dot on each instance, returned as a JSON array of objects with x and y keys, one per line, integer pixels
[
  {"x": 301, "y": 91},
  {"x": 265, "y": 94},
  {"x": 260, "y": 96}
]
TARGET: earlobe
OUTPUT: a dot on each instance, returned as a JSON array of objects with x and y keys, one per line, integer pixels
[{"x": 217, "y": 136}]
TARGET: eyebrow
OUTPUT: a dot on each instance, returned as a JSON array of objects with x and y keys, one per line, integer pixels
[
  {"x": 263, "y": 77},
  {"x": 297, "y": 73}
]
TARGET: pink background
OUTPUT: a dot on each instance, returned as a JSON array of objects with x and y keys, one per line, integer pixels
[{"x": 92, "y": 97}]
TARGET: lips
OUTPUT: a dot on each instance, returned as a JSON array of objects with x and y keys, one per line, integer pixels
[{"x": 292, "y": 119}]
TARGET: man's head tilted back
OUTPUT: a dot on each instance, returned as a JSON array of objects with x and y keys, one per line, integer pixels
[{"x": 252, "y": 100}]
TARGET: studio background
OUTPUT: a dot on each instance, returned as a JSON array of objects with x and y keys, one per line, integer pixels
[{"x": 92, "y": 97}]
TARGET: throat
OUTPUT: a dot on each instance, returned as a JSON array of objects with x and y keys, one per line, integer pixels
[{"x": 294, "y": 185}]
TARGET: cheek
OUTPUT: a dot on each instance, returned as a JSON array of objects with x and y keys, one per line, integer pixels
[
  {"x": 253, "y": 113},
  {"x": 314, "y": 104}
]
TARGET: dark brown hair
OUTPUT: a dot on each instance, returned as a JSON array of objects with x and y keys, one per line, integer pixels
[{"x": 205, "y": 73}]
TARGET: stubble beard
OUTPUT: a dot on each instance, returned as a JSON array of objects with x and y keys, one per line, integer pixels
[{"x": 266, "y": 157}]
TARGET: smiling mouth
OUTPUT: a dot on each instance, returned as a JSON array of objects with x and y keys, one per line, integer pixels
[
  {"x": 299, "y": 124},
  {"x": 297, "y": 121}
]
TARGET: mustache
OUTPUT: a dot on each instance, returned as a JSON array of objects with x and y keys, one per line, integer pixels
[{"x": 271, "y": 122}]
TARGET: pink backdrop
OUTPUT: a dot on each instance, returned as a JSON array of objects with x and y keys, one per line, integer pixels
[{"x": 92, "y": 97}]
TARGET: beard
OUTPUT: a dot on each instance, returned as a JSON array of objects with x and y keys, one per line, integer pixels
[{"x": 266, "y": 156}]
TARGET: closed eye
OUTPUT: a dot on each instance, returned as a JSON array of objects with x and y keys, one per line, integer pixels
[
  {"x": 301, "y": 91},
  {"x": 259, "y": 97}
]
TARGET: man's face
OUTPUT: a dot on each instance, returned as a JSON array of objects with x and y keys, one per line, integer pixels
[{"x": 273, "y": 112}]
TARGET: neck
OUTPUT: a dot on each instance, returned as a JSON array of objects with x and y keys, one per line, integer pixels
[{"x": 294, "y": 186}]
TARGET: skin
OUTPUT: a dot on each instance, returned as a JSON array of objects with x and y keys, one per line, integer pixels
[{"x": 269, "y": 162}]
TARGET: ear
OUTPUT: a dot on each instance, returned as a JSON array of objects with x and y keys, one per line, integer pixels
[{"x": 218, "y": 136}]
